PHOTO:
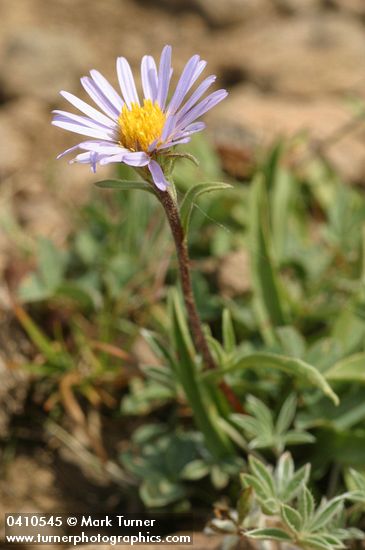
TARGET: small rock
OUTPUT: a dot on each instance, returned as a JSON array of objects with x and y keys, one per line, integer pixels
[
  {"x": 234, "y": 274},
  {"x": 39, "y": 63}
]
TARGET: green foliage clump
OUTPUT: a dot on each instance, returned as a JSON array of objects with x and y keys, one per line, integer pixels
[{"x": 292, "y": 346}]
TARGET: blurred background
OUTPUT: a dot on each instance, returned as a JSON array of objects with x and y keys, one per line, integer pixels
[{"x": 293, "y": 68}]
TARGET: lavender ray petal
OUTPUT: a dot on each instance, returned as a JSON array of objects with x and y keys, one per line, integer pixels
[
  {"x": 93, "y": 160},
  {"x": 86, "y": 108},
  {"x": 136, "y": 159},
  {"x": 107, "y": 89},
  {"x": 164, "y": 76},
  {"x": 82, "y": 120},
  {"x": 153, "y": 145},
  {"x": 202, "y": 107},
  {"x": 83, "y": 130},
  {"x": 149, "y": 77},
  {"x": 200, "y": 68},
  {"x": 126, "y": 82},
  {"x": 189, "y": 130},
  {"x": 201, "y": 89},
  {"x": 82, "y": 158},
  {"x": 112, "y": 158},
  {"x": 168, "y": 128},
  {"x": 99, "y": 98},
  {"x": 73, "y": 148},
  {"x": 102, "y": 148},
  {"x": 184, "y": 84},
  {"x": 158, "y": 176}
]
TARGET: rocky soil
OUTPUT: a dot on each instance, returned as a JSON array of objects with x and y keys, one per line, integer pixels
[{"x": 292, "y": 67}]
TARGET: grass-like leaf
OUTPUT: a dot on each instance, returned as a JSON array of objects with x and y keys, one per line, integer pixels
[
  {"x": 192, "y": 195},
  {"x": 294, "y": 367}
]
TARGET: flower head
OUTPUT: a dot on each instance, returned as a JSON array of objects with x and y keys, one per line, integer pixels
[{"x": 124, "y": 129}]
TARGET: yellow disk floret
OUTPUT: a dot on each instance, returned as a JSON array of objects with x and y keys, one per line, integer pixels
[{"x": 140, "y": 126}]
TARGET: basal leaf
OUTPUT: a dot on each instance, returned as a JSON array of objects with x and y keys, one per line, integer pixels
[
  {"x": 261, "y": 472},
  {"x": 259, "y": 487},
  {"x": 291, "y": 518},
  {"x": 286, "y": 414},
  {"x": 284, "y": 471},
  {"x": 316, "y": 542},
  {"x": 293, "y": 486},
  {"x": 306, "y": 504},
  {"x": 326, "y": 512},
  {"x": 269, "y": 534}
]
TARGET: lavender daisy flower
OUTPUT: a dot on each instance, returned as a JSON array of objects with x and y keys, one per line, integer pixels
[{"x": 139, "y": 133}]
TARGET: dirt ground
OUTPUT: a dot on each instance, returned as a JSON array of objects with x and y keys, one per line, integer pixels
[{"x": 291, "y": 66}]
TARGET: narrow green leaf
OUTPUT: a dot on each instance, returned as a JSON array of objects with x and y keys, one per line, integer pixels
[
  {"x": 281, "y": 196},
  {"x": 306, "y": 504},
  {"x": 351, "y": 369},
  {"x": 233, "y": 433},
  {"x": 204, "y": 409},
  {"x": 291, "y": 518},
  {"x": 290, "y": 365},
  {"x": 284, "y": 470},
  {"x": 38, "y": 337},
  {"x": 192, "y": 195},
  {"x": 286, "y": 414},
  {"x": 260, "y": 488},
  {"x": 247, "y": 423},
  {"x": 334, "y": 541},
  {"x": 294, "y": 485},
  {"x": 315, "y": 542},
  {"x": 229, "y": 338},
  {"x": 357, "y": 479},
  {"x": 262, "y": 473},
  {"x": 294, "y": 437},
  {"x": 291, "y": 341},
  {"x": 267, "y": 294},
  {"x": 263, "y": 414},
  {"x": 270, "y": 534},
  {"x": 125, "y": 185},
  {"x": 326, "y": 512}
]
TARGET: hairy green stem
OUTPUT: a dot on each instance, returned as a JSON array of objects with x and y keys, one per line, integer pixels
[{"x": 198, "y": 335}]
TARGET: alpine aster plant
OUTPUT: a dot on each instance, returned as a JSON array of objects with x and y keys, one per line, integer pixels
[
  {"x": 139, "y": 133},
  {"x": 143, "y": 134}
]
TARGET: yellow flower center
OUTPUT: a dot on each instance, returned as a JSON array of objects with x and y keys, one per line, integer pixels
[{"x": 140, "y": 126}]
